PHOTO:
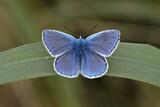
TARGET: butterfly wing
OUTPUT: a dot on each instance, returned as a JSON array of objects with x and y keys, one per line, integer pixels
[
  {"x": 93, "y": 65},
  {"x": 67, "y": 65},
  {"x": 105, "y": 42},
  {"x": 57, "y": 42}
]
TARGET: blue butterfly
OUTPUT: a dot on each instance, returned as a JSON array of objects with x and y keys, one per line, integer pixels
[{"x": 81, "y": 56}]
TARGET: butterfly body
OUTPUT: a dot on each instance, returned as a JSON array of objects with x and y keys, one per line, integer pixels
[
  {"x": 81, "y": 56},
  {"x": 79, "y": 48},
  {"x": 80, "y": 45}
]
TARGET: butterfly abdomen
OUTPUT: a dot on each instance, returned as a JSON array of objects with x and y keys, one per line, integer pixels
[{"x": 80, "y": 46}]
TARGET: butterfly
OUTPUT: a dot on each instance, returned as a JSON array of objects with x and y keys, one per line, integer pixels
[{"x": 74, "y": 56}]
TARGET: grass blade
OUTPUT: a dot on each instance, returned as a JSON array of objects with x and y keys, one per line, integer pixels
[{"x": 139, "y": 62}]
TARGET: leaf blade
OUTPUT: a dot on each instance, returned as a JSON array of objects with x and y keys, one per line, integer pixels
[{"x": 133, "y": 61}]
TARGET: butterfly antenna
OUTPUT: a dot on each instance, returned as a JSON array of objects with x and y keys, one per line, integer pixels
[
  {"x": 93, "y": 27},
  {"x": 69, "y": 30}
]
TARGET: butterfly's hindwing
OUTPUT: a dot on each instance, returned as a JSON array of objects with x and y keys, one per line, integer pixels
[
  {"x": 93, "y": 65},
  {"x": 67, "y": 65}
]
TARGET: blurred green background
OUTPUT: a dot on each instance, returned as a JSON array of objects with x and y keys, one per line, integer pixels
[{"x": 21, "y": 22}]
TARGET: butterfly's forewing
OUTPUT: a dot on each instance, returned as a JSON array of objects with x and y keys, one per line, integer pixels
[
  {"x": 67, "y": 65},
  {"x": 104, "y": 42},
  {"x": 93, "y": 65},
  {"x": 57, "y": 42}
]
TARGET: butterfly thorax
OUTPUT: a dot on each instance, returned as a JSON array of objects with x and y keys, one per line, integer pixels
[{"x": 80, "y": 45}]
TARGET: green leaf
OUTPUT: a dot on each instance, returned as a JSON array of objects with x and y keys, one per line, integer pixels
[{"x": 133, "y": 61}]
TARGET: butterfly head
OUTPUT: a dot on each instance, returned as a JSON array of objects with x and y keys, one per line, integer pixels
[{"x": 80, "y": 37}]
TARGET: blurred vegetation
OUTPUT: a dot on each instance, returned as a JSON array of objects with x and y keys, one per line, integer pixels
[{"x": 21, "y": 22}]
